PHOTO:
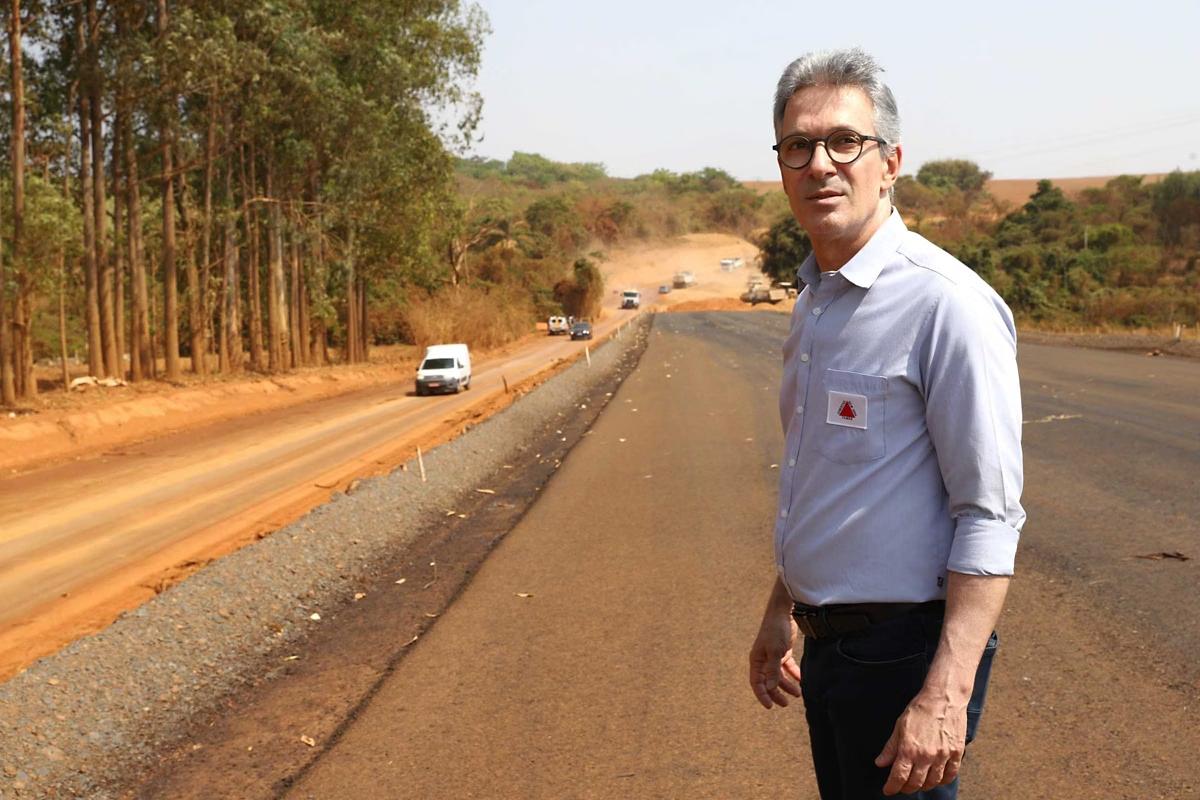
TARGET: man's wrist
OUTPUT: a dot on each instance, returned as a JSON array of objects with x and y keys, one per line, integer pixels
[
  {"x": 954, "y": 696},
  {"x": 948, "y": 686}
]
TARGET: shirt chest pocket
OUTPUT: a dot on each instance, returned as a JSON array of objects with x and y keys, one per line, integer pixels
[{"x": 855, "y": 409}]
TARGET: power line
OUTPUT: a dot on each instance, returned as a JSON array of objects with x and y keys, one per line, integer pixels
[{"x": 1191, "y": 118}]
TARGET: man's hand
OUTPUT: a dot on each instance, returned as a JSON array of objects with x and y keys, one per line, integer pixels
[
  {"x": 926, "y": 746},
  {"x": 774, "y": 673}
]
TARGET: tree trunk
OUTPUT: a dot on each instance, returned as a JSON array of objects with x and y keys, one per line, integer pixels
[
  {"x": 8, "y": 386},
  {"x": 62, "y": 253},
  {"x": 231, "y": 326},
  {"x": 196, "y": 323},
  {"x": 95, "y": 90},
  {"x": 350, "y": 356},
  {"x": 62, "y": 319},
  {"x": 141, "y": 356},
  {"x": 364, "y": 327},
  {"x": 141, "y": 360},
  {"x": 210, "y": 136},
  {"x": 253, "y": 289},
  {"x": 170, "y": 321},
  {"x": 27, "y": 383},
  {"x": 322, "y": 342},
  {"x": 317, "y": 350},
  {"x": 303, "y": 320},
  {"x": 297, "y": 331},
  {"x": 8, "y": 376},
  {"x": 118, "y": 249},
  {"x": 95, "y": 343},
  {"x": 276, "y": 287}
]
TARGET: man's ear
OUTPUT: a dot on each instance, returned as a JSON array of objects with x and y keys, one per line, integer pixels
[{"x": 891, "y": 167}]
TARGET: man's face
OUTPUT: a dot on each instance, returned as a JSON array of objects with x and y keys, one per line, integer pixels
[{"x": 839, "y": 205}]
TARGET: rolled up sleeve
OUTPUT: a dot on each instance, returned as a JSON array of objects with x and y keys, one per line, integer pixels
[{"x": 973, "y": 414}]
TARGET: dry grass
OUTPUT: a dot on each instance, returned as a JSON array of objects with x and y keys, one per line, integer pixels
[{"x": 482, "y": 319}]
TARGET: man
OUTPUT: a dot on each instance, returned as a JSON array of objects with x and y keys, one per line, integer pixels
[{"x": 899, "y": 506}]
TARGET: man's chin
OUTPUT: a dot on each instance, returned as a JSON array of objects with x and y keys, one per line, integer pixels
[{"x": 823, "y": 222}]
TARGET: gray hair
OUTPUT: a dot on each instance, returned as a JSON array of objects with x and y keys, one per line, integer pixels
[{"x": 853, "y": 67}]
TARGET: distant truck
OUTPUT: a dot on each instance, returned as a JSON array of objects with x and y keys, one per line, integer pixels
[
  {"x": 757, "y": 291},
  {"x": 558, "y": 326},
  {"x": 684, "y": 279},
  {"x": 730, "y": 264},
  {"x": 631, "y": 298},
  {"x": 445, "y": 368}
]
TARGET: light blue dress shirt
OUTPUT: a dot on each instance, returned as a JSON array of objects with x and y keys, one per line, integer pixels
[{"x": 901, "y": 413}]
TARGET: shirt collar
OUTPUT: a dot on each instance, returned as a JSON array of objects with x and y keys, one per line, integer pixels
[{"x": 867, "y": 263}]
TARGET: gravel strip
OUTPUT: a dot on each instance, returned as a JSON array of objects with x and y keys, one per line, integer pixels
[
  {"x": 1188, "y": 347},
  {"x": 75, "y": 722}
]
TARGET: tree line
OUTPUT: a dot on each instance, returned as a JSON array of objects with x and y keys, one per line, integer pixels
[
  {"x": 1124, "y": 254},
  {"x": 223, "y": 184}
]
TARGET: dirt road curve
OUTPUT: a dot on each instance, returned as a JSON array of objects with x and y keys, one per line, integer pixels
[{"x": 600, "y": 650}]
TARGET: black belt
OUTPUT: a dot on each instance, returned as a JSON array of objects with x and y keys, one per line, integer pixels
[{"x": 832, "y": 621}]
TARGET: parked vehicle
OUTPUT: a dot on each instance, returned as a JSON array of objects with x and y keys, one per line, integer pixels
[
  {"x": 730, "y": 264},
  {"x": 582, "y": 329},
  {"x": 445, "y": 368},
  {"x": 558, "y": 326},
  {"x": 631, "y": 298},
  {"x": 664, "y": 289},
  {"x": 684, "y": 279}
]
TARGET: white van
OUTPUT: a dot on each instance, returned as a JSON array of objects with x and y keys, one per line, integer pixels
[
  {"x": 445, "y": 368},
  {"x": 631, "y": 298}
]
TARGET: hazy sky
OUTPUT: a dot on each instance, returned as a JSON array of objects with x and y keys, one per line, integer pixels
[{"x": 1025, "y": 89}]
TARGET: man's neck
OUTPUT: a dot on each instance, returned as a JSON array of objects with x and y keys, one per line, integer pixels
[{"x": 833, "y": 254}]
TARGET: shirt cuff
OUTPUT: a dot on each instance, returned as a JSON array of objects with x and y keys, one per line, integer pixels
[{"x": 983, "y": 547}]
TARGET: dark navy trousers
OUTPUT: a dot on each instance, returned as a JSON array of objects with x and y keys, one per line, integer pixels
[{"x": 855, "y": 687}]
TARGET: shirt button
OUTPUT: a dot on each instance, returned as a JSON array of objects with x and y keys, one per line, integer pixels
[
  {"x": 817, "y": 311},
  {"x": 791, "y": 462},
  {"x": 804, "y": 357},
  {"x": 799, "y": 409},
  {"x": 783, "y": 512}
]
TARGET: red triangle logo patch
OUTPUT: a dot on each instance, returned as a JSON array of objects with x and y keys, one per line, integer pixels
[{"x": 847, "y": 410}]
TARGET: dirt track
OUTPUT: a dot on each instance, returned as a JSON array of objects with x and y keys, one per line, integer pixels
[{"x": 644, "y": 564}]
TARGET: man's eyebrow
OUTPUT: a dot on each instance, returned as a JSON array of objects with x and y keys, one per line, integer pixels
[{"x": 808, "y": 135}]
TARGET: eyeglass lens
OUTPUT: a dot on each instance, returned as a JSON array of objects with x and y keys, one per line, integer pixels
[{"x": 843, "y": 148}]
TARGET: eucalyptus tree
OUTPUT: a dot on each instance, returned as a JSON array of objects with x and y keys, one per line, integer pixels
[{"x": 398, "y": 62}]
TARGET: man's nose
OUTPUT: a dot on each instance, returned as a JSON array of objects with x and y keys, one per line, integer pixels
[{"x": 820, "y": 161}]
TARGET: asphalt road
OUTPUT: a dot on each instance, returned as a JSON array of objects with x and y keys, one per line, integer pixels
[{"x": 600, "y": 651}]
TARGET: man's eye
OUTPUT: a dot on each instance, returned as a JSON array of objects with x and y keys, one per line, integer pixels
[
  {"x": 844, "y": 140},
  {"x": 798, "y": 145}
]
